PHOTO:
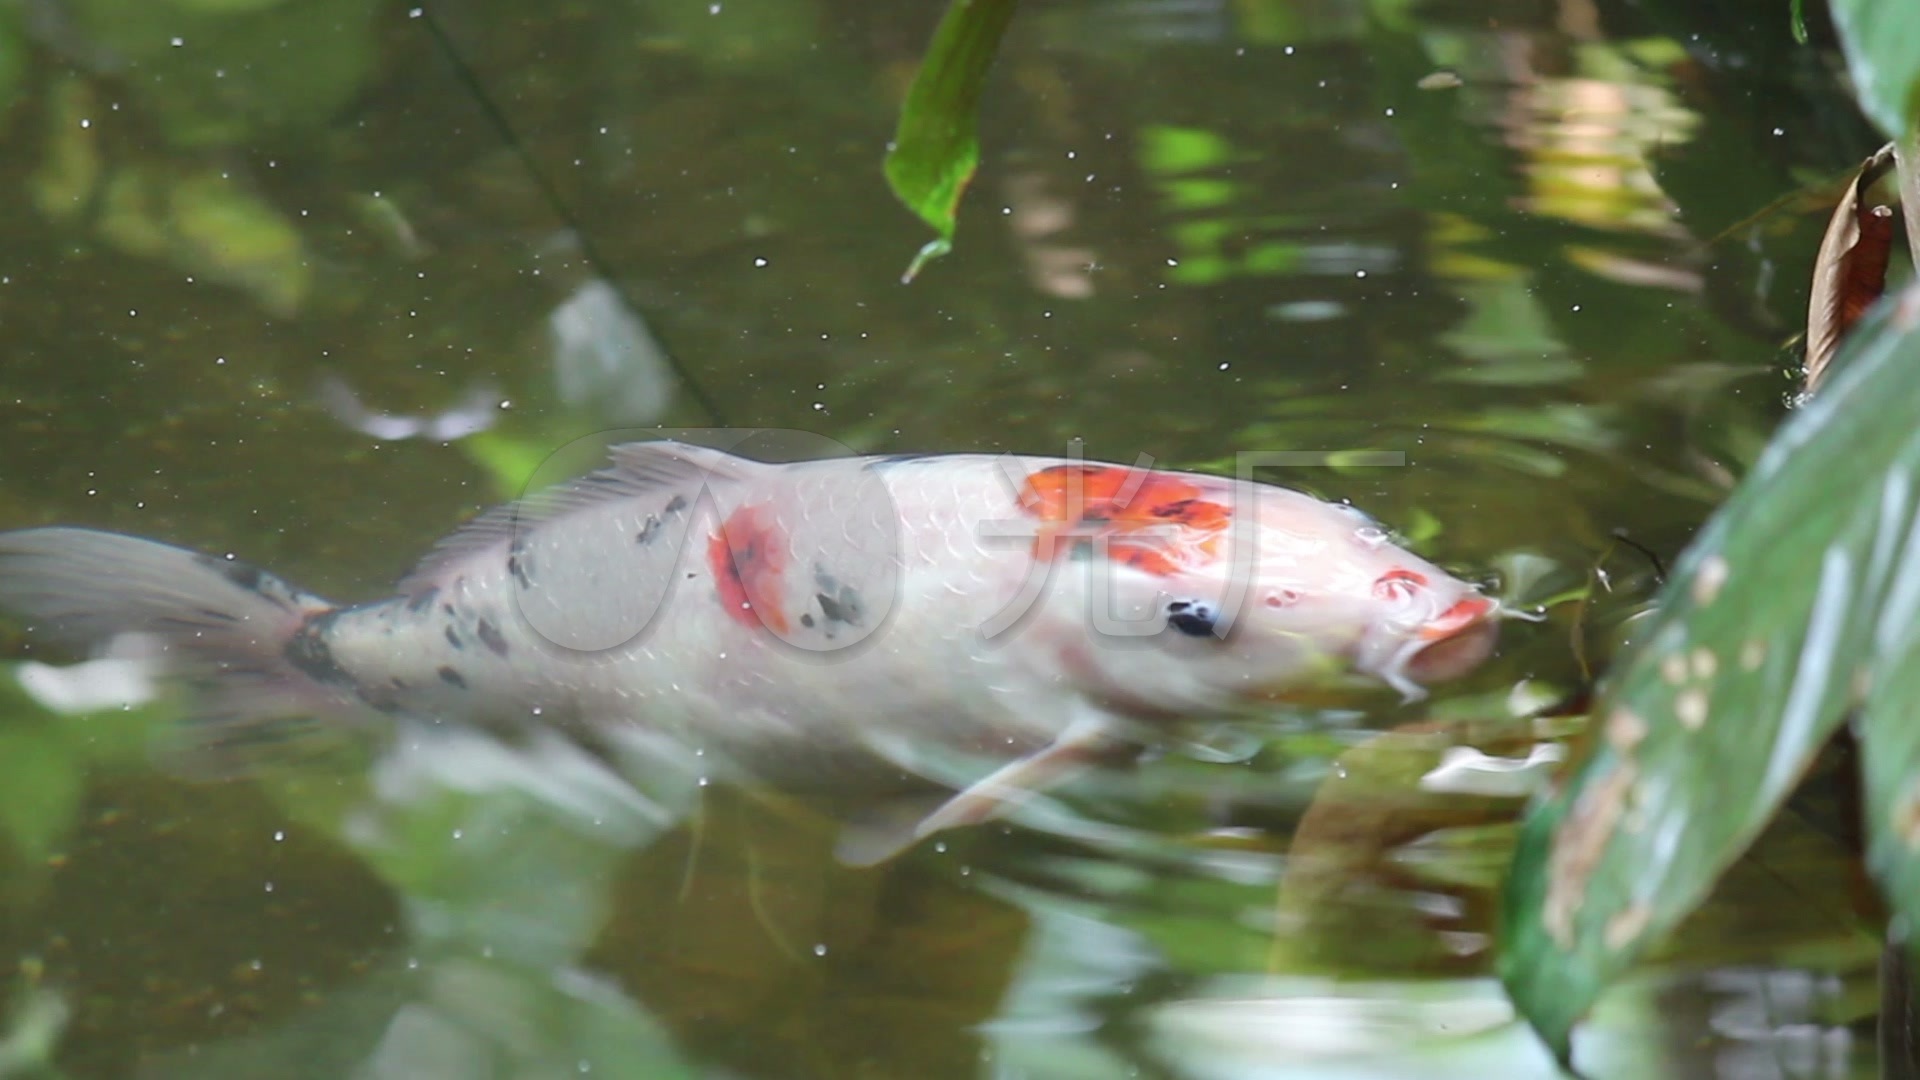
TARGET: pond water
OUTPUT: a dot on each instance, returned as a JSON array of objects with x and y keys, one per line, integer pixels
[{"x": 311, "y": 281}]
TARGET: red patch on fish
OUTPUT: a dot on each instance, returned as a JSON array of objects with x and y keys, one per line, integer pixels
[
  {"x": 1399, "y": 584},
  {"x": 1151, "y": 521},
  {"x": 748, "y": 554}
]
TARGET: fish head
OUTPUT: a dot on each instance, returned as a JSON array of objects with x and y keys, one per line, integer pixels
[{"x": 1274, "y": 595}]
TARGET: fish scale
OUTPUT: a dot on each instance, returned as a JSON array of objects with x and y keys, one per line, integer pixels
[{"x": 988, "y": 624}]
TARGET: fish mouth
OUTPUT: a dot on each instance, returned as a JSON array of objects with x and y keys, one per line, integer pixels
[
  {"x": 1446, "y": 646},
  {"x": 1455, "y": 642}
]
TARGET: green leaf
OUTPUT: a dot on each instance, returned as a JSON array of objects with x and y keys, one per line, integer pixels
[
  {"x": 1881, "y": 39},
  {"x": 1799, "y": 591},
  {"x": 1890, "y": 760},
  {"x": 936, "y": 148}
]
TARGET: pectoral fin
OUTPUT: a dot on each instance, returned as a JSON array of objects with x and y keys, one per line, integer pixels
[{"x": 898, "y": 826}]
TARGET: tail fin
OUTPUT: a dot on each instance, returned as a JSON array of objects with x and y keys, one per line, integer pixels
[{"x": 220, "y": 626}]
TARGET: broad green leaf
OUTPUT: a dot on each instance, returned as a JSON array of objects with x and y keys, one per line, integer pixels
[
  {"x": 1801, "y": 586},
  {"x": 1889, "y": 737},
  {"x": 1882, "y": 41},
  {"x": 1890, "y": 755},
  {"x": 936, "y": 148}
]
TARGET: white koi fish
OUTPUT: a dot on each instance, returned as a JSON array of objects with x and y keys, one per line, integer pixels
[{"x": 790, "y": 623}]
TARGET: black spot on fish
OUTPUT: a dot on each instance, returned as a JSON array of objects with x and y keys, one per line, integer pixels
[
  {"x": 308, "y": 652},
  {"x": 491, "y": 638},
  {"x": 1192, "y": 617},
  {"x": 692, "y": 574},
  {"x": 844, "y": 608},
  {"x": 806, "y": 619},
  {"x": 649, "y": 531},
  {"x": 1172, "y": 509},
  {"x": 423, "y": 599},
  {"x": 452, "y": 678},
  {"x": 517, "y": 567},
  {"x": 675, "y": 504},
  {"x": 447, "y": 610},
  {"x": 398, "y": 683},
  {"x": 453, "y": 639},
  {"x": 836, "y": 612}
]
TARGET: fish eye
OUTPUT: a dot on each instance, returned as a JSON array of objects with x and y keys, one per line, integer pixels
[{"x": 1192, "y": 617}]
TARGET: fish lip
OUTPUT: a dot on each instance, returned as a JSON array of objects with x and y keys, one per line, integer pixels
[{"x": 1453, "y": 643}]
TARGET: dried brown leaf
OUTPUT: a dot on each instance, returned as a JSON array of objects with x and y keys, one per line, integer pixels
[{"x": 1850, "y": 272}]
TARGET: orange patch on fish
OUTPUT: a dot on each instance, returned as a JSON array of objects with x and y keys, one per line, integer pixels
[
  {"x": 1154, "y": 522},
  {"x": 748, "y": 554}
]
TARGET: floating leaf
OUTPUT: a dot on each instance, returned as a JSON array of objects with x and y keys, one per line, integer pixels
[
  {"x": 1850, "y": 272},
  {"x": 936, "y": 147},
  {"x": 1801, "y": 587},
  {"x": 1878, "y": 37}
]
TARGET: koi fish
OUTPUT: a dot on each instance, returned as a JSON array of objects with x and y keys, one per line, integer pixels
[{"x": 787, "y": 623}]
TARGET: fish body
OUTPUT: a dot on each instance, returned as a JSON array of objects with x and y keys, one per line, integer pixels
[{"x": 792, "y": 621}]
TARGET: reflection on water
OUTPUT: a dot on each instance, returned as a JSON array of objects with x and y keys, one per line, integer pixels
[{"x": 276, "y": 285}]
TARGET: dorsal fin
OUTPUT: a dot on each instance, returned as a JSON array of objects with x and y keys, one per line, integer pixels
[{"x": 638, "y": 469}]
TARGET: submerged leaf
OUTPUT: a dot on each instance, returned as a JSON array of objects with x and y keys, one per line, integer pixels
[
  {"x": 936, "y": 147},
  {"x": 13, "y": 63},
  {"x": 1850, "y": 272},
  {"x": 44, "y": 785},
  {"x": 1800, "y": 587},
  {"x": 1369, "y": 848}
]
